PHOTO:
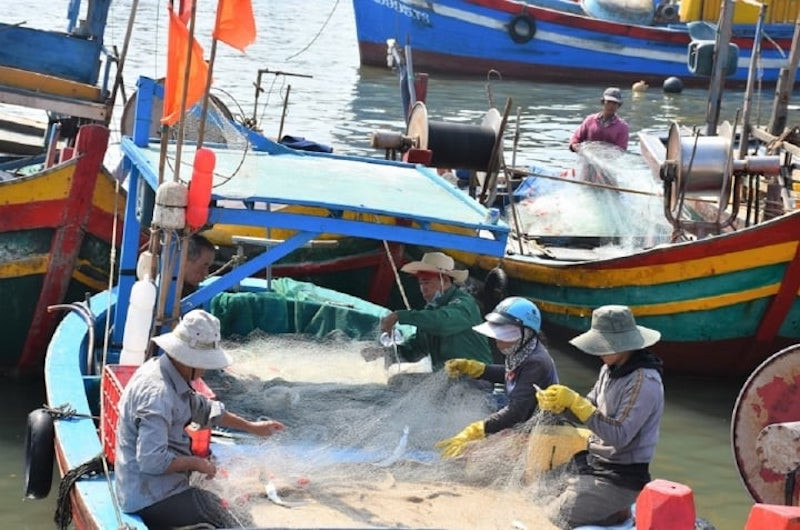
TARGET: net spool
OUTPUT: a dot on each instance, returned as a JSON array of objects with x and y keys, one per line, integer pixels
[
  {"x": 699, "y": 164},
  {"x": 454, "y": 145}
]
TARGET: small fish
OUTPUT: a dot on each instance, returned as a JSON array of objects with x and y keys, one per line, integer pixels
[{"x": 272, "y": 495}]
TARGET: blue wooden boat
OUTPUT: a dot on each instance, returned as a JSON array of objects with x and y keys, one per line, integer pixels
[
  {"x": 561, "y": 40},
  {"x": 368, "y": 193}
]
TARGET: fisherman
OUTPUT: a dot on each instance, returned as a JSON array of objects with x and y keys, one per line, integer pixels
[
  {"x": 515, "y": 325},
  {"x": 199, "y": 259},
  {"x": 604, "y": 126},
  {"x": 444, "y": 326},
  {"x": 623, "y": 410},
  {"x": 153, "y": 452}
]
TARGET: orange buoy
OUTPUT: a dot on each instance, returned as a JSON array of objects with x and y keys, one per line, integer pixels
[
  {"x": 200, "y": 188},
  {"x": 774, "y": 517},
  {"x": 665, "y": 505}
]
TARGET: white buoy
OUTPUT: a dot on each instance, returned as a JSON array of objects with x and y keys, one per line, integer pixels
[{"x": 137, "y": 325}]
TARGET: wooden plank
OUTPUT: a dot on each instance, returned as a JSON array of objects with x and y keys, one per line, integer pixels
[
  {"x": 56, "y": 86},
  {"x": 70, "y": 107}
]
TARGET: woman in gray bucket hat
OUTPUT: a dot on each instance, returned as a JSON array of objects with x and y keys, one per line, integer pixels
[{"x": 623, "y": 410}]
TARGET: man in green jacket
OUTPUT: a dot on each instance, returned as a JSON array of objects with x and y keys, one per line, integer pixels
[{"x": 444, "y": 326}]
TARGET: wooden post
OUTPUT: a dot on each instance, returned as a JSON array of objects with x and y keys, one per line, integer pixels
[{"x": 783, "y": 90}]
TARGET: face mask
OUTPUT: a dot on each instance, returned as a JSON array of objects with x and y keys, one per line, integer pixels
[
  {"x": 435, "y": 298},
  {"x": 508, "y": 350}
]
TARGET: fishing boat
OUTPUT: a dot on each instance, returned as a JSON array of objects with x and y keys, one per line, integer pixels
[
  {"x": 560, "y": 40},
  {"x": 59, "y": 203},
  {"x": 247, "y": 190},
  {"x": 700, "y": 240}
]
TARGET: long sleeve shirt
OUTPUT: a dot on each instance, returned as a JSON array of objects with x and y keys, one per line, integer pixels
[
  {"x": 596, "y": 129},
  {"x": 626, "y": 424},
  {"x": 539, "y": 368},
  {"x": 445, "y": 330},
  {"x": 156, "y": 406}
]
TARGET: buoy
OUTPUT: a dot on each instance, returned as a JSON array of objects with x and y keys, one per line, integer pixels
[
  {"x": 136, "y": 336},
  {"x": 673, "y": 85},
  {"x": 665, "y": 504},
  {"x": 774, "y": 517},
  {"x": 200, "y": 188},
  {"x": 640, "y": 86},
  {"x": 39, "y": 454}
]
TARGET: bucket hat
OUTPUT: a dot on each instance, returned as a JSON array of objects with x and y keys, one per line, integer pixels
[
  {"x": 612, "y": 94},
  {"x": 501, "y": 332},
  {"x": 437, "y": 262},
  {"x": 614, "y": 330},
  {"x": 195, "y": 342}
]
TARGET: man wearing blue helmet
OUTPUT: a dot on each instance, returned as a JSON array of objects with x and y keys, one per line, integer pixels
[{"x": 515, "y": 325}]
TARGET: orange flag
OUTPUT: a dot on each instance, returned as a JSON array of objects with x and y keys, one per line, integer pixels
[
  {"x": 235, "y": 23},
  {"x": 176, "y": 69},
  {"x": 186, "y": 11}
]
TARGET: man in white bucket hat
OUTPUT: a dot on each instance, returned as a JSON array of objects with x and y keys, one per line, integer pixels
[
  {"x": 153, "y": 452},
  {"x": 604, "y": 126},
  {"x": 444, "y": 326},
  {"x": 623, "y": 410}
]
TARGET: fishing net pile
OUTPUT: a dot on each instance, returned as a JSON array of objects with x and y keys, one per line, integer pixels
[
  {"x": 564, "y": 213},
  {"x": 358, "y": 449}
]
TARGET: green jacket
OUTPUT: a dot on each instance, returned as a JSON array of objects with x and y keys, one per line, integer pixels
[{"x": 444, "y": 329}]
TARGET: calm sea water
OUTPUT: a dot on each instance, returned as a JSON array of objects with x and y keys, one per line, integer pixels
[{"x": 340, "y": 105}]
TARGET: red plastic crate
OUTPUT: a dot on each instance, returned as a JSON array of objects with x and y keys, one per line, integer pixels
[{"x": 115, "y": 377}]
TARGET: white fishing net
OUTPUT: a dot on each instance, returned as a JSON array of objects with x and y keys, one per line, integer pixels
[
  {"x": 358, "y": 449},
  {"x": 624, "y": 207}
]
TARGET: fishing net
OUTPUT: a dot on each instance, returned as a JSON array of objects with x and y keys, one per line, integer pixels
[
  {"x": 621, "y": 206},
  {"x": 358, "y": 449}
]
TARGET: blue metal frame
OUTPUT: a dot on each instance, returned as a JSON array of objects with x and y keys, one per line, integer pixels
[{"x": 459, "y": 223}]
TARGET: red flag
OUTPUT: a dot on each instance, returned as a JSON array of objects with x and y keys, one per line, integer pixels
[
  {"x": 176, "y": 69},
  {"x": 235, "y": 23}
]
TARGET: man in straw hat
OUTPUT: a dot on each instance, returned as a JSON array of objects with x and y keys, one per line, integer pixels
[
  {"x": 515, "y": 325},
  {"x": 604, "y": 126},
  {"x": 623, "y": 410},
  {"x": 444, "y": 326},
  {"x": 153, "y": 453}
]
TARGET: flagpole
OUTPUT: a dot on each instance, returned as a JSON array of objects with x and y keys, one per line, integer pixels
[
  {"x": 202, "y": 129},
  {"x": 184, "y": 95}
]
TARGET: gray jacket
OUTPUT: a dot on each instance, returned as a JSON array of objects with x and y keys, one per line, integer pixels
[{"x": 626, "y": 424}]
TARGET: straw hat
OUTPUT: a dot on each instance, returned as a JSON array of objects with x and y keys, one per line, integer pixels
[
  {"x": 195, "y": 342},
  {"x": 614, "y": 330},
  {"x": 437, "y": 262},
  {"x": 501, "y": 332}
]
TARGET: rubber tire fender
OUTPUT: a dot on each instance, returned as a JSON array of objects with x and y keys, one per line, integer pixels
[
  {"x": 521, "y": 28},
  {"x": 39, "y": 454}
]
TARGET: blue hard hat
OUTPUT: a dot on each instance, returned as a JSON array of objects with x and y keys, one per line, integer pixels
[{"x": 518, "y": 311}]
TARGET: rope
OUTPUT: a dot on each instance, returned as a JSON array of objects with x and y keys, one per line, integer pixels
[
  {"x": 324, "y": 24},
  {"x": 396, "y": 275},
  {"x": 66, "y": 411},
  {"x": 63, "y": 516}
]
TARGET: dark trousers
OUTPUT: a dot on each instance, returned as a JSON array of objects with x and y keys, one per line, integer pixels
[{"x": 191, "y": 507}]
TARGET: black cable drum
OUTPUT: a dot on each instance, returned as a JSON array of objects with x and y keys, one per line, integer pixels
[{"x": 453, "y": 145}]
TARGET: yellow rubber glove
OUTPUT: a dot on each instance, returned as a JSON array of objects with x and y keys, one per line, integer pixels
[
  {"x": 453, "y": 447},
  {"x": 556, "y": 398},
  {"x": 468, "y": 367}
]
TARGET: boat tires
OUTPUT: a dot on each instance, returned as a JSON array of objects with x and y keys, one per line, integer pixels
[
  {"x": 39, "y": 454},
  {"x": 522, "y": 28}
]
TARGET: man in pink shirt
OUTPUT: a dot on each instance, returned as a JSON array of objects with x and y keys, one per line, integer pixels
[{"x": 605, "y": 126}]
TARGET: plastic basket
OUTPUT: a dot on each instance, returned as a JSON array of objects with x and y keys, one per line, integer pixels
[{"x": 115, "y": 377}]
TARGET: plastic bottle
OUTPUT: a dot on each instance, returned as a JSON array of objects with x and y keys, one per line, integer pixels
[
  {"x": 200, "y": 188},
  {"x": 137, "y": 325}
]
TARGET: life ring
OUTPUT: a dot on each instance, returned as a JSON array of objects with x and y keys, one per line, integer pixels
[
  {"x": 39, "y": 454},
  {"x": 522, "y": 28}
]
